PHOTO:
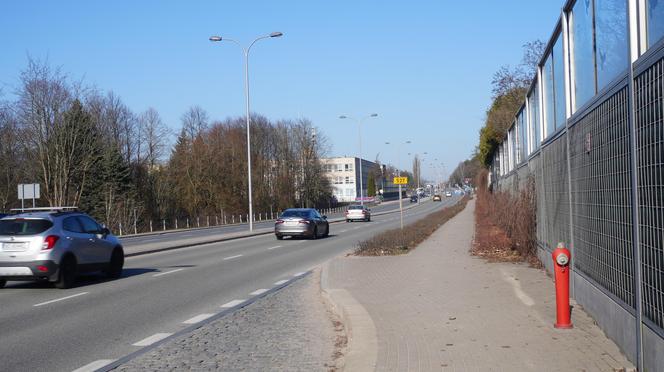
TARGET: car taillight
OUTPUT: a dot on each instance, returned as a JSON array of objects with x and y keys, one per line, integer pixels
[
  {"x": 347, "y": 212},
  {"x": 364, "y": 212},
  {"x": 304, "y": 221},
  {"x": 279, "y": 222},
  {"x": 49, "y": 242}
]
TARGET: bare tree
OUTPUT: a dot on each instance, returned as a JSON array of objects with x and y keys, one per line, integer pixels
[{"x": 153, "y": 135}]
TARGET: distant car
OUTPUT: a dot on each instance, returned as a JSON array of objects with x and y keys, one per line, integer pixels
[
  {"x": 358, "y": 213},
  {"x": 301, "y": 222},
  {"x": 3, "y": 215},
  {"x": 55, "y": 246},
  {"x": 448, "y": 194},
  {"x": 413, "y": 199},
  {"x": 437, "y": 197}
]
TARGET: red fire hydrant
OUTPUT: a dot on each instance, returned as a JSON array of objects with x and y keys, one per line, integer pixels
[{"x": 561, "y": 257}]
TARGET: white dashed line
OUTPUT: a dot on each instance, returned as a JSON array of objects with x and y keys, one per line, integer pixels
[
  {"x": 197, "y": 319},
  {"x": 94, "y": 365},
  {"x": 60, "y": 299},
  {"x": 275, "y": 247},
  {"x": 299, "y": 274},
  {"x": 168, "y": 272},
  {"x": 232, "y": 257},
  {"x": 258, "y": 292},
  {"x": 281, "y": 282},
  {"x": 232, "y": 303},
  {"x": 152, "y": 339}
]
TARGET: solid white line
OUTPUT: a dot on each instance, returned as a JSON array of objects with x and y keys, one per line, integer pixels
[
  {"x": 60, "y": 299},
  {"x": 232, "y": 303},
  {"x": 168, "y": 272},
  {"x": 275, "y": 247},
  {"x": 281, "y": 282},
  {"x": 258, "y": 292},
  {"x": 94, "y": 365},
  {"x": 197, "y": 319},
  {"x": 299, "y": 274},
  {"x": 152, "y": 339},
  {"x": 232, "y": 257}
]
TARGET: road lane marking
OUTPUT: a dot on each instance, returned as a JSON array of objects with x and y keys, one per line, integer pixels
[
  {"x": 94, "y": 365},
  {"x": 258, "y": 292},
  {"x": 281, "y": 282},
  {"x": 168, "y": 272},
  {"x": 342, "y": 230},
  {"x": 152, "y": 339},
  {"x": 275, "y": 247},
  {"x": 197, "y": 318},
  {"x": 60, "y": 299},
  {"x": 232, "y": 303},
  {"x": 232, "y": 257},
  {"x": 299, "y": 274}
]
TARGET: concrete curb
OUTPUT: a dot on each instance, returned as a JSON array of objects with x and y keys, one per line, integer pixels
[{"x": 361, "y": 352}]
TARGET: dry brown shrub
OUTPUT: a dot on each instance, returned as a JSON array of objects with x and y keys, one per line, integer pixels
[
  {"x": 396, "y": 241},
  {"x": 505, "y": 224}
]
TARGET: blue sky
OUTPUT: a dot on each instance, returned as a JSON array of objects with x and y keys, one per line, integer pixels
[{"x": 424, "y": 66}]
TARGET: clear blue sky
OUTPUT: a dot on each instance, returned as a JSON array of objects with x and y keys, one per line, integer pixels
[{"x": 424, "y": 66}]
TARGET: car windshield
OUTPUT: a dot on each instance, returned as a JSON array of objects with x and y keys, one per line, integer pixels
[
  {"x": 295, "y": 213},
  {"x": 20, "y": 226},
  {"x": 356, "y": 207}
]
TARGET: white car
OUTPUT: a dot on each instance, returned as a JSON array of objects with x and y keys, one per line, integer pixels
[{"x": 358, "y": 213}]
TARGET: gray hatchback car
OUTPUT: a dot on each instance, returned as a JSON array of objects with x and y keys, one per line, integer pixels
[{"x": 55, "y": 246}]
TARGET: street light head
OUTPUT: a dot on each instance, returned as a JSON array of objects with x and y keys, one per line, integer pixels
[
  {"x": 373, "y": 115},
  {"x": 387, "y": 143},
  {"x": 343, "y": 117},
  {"x": 276, "y": 34},
  {"x": 215, "y": 38},
  {"x": 407, "y": 141}
]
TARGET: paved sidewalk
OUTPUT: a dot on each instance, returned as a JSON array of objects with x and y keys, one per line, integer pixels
[{"x": 438, "y": 308}]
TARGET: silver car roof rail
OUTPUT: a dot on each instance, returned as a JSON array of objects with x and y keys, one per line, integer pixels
[{"x": 45, "y": 209}]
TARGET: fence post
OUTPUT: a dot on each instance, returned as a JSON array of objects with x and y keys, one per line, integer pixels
[
  {"x": 176, "y": 223},
  {"x": 120, "y": 228},
  {"x": 233, "y": 219},
  {"x": 216, "y": 220},
  {"x": 187, "y": 222},
  {"x": 150, "y": 225},
  {"x": 163, "y": 223}
]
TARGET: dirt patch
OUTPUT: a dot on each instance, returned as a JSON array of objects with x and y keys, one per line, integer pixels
[{"x": 397, "y": 241}]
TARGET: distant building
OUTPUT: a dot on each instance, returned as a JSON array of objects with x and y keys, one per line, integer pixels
[{"x": 344, "y": 176}]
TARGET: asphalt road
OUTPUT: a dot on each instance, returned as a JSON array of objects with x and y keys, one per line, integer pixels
[
  {"x": 169, "y": 236},
  {"x": 45, "y": 329}
]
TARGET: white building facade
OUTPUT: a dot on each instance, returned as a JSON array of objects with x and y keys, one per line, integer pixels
[{"x": 344, "y": 176}]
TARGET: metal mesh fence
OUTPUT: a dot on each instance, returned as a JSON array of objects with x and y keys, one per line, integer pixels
[
  {"x": 535, "y": 165},
  {"x": 649, "y": 122},
  {"x": 601, "y": 196},
  {"x": 555, "y": 193}
]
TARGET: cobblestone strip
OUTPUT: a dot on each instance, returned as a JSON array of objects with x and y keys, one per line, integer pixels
[{"x": 289, "y": 330}]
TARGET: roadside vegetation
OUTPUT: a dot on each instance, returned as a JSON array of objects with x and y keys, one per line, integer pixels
[
  {"x": 87, "y": 148},
  {"x": 396, "y": 241},
  {"x": 505, "y": 224}
]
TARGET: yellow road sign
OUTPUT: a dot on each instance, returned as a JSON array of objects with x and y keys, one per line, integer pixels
[{"x": 400, "y": 180}]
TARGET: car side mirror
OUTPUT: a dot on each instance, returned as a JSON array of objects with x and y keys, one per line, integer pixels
[
  {"x": 324, "y": 217},
  {"x": 105, "y": 231}
]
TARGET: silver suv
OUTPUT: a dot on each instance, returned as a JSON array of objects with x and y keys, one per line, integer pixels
[{"x": 55, "y": 246}]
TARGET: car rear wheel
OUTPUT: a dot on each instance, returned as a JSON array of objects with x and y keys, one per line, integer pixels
[
  {"x": 114, "y": 270},
  {"x": 315, "y": 234},
  {"x": 327, "y": 231},
  {"x": 280, "y": 237},
  {"x": 67, "y": 273},
  {"x": 3, "y": 283}
]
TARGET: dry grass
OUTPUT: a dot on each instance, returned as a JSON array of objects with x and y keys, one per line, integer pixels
[
  {"x": 505, "y": 228},
  {"x": 396, "y": 241}
]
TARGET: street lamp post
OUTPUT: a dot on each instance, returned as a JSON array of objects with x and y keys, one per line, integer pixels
[
  {"x": 359, "y": 132},
  {"x": 246, "y": 92}
]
